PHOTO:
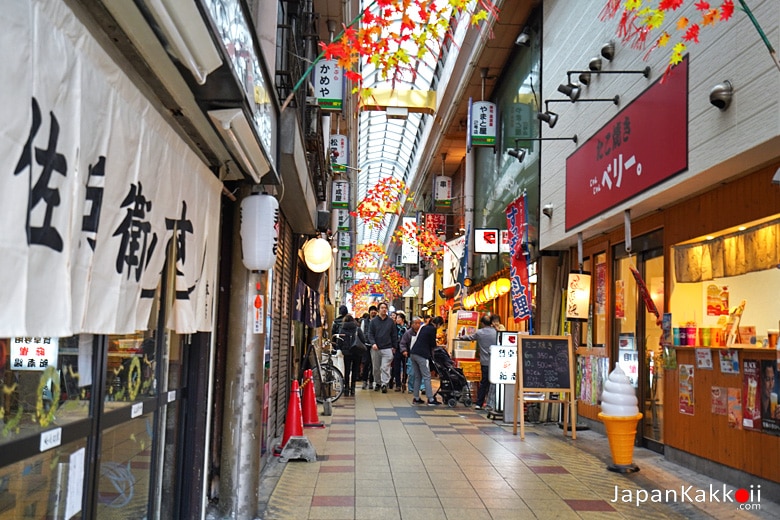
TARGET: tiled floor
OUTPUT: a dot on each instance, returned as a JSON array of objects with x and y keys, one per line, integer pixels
[{"x": 380, "y": 457}]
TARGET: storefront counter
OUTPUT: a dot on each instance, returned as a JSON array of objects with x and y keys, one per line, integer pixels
[{"x": 706, "y": 395}]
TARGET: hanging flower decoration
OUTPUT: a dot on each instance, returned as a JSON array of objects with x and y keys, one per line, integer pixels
[
  {"x": 364, "y": 289},
  {"x": 639, "y": 20},
  {"x": 429, "y": 246},
  {"x": 394, "y": 34},
  {"x": 383, "y": 198},
  {"x": 368, "y": 258},
  {"x": 394, "y": 280}
]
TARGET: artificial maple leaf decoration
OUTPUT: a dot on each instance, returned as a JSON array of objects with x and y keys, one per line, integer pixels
[{"x": 638, "y": 22}]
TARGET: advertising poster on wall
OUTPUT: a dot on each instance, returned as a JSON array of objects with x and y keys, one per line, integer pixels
[
  {"x": 729, "y": 361},
  {"x": 770, "y": 388},
  {"x": 686, "y": 389},
  {"x": 719, "y": 395},
  {"x": 735, "y": 408},
  {"x": 620, "y": 299},
  {"x": 751, "y": 399}
]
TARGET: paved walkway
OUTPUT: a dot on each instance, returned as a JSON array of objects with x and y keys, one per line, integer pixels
[{"x": 380, "y": 457}]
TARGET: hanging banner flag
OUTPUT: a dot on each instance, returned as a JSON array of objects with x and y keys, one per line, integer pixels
[
  {"x": 329, "y": 85},
  {"x": 517, "y": 226},
  {"x": 408, "y": 249},
  {"x": 339, "y": 152},
  {"x": 482, "y": 123},
  {"x": 340, "y": 194},
  {"x": 442, "y": 191}
]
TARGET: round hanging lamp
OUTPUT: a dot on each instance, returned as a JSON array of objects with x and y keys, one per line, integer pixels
[{"x": 318, "y": 254}]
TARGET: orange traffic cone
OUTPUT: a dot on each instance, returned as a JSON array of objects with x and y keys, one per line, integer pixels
[
  {"x": 310, "y": 417},
  {"x": 293, "y": 425}
]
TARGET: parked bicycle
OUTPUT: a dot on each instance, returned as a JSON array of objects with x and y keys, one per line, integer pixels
[{"x": 329, "y": 380}]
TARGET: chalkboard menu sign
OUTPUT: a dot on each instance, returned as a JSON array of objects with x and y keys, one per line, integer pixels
[{"x": 546, "y": 362}]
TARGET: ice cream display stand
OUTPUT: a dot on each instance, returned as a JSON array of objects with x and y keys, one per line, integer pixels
[{"x": 620, "y": 414}]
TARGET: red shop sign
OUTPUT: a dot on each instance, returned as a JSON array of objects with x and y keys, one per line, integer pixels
[{"x": 645, "y": 144}]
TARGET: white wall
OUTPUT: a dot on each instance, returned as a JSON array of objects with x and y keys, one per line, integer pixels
[{"x": 722, "y": 144}]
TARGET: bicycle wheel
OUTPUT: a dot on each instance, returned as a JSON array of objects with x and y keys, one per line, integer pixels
[{"x": 332, "y": 378}]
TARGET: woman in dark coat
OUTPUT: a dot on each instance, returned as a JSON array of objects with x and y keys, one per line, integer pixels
[{"x": 349, "y": 327}]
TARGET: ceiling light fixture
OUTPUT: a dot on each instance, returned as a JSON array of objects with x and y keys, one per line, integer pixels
[{"x": 571, "y": 89}]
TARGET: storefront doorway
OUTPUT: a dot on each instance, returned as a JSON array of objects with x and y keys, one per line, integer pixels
[{"x": 637, "y": 332}]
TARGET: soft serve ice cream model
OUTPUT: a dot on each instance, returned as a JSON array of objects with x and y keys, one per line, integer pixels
[{"x": 620, "y": 413}]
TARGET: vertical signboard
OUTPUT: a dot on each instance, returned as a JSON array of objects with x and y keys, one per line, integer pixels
[
  {"x": 483, "y": 123},
  {"x": 339, "y": 152},
  {"x": 342, "y": 219},
  {"x": 329, "y": 85},
  {"x": 442, "y": 191},
  {"x": 340, "y": 195}
]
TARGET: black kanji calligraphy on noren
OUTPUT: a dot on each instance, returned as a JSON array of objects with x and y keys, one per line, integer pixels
[
  {"x": 40, "y": 192},
  {"x": 137, "y": 245},
  {"x": 89, "y": 223}
]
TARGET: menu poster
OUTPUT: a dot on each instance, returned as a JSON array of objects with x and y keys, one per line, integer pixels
[
  {"x": 704, "y": 358},
  {"x": 735, "y": 408},
  {"x": 686, "y": 389},
  {"x": 719, "y": 400},
  {"x": 751, "y": 398},
  {"x": 729, "y": 361},
  {"x": 770, "y": 388}
]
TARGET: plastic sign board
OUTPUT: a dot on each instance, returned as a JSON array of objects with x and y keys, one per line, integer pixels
[
  {"x": 329, "y": 85},
  {"x": 34, "y": 353},
  {"x": 342, "y": 219},
  {"x": 442, "y": 190},
  {"x": 339, "y": 152},
  {"x": 340, "y": 195},
  {"x": 345, "y": 240},
  {"x": 645, "y": 144},
  {"x": 484, "y": 117},
  {"x": 486, "y": 241},
  {"x": 503, "y": 246}
]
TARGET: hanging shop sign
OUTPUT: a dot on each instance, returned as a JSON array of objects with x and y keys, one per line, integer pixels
[
  {"x": 96, "y": 186},
  {"x": 644, "y": 145},
  {"x": 482, "y": 123},
  {"x": 578, "y": 296},
  {"x": 340, "y": 194},
  {"x": 259, "y": 231},
  {"x": 486, "y": 241},
  {"x": 329, "y": 85},
  {"x": 503, "y": 246},
  {"x": 409, "y": 252},
  {"x": 436, "y": 223},
  {"x": 33, "y": 353},
  {"x": 342, "y": 219},
  {"x": 451, "y": 261},
  {"x": 442, "y": 191},
  {"x": 345, "y": 240},
  {"x": 339, "y": 152}
]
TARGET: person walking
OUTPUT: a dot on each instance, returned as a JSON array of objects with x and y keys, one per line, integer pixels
[
  {"x": 349, "y": 329},
  {"x": 383, "y": 338},
  {"x": 422, "y": 355},
  {"x": 486, "y": 337},
  {"x": 399, "y": 359},
  {"x": 367, "y": 374},
  {"x": 336, "y": 327},
  {"x": 405, "y": 346}
]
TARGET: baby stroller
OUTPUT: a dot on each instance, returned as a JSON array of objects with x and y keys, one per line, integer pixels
[{"x": 453, "y": 386}]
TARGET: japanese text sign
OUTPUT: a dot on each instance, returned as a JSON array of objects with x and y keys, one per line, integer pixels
[
  {"x": 483, "y": 118},
  {"x": 33, "y": 353},
  {"x": 340, "y": 195},
  {"x": 645, "y": 144},
  {"x": 339, "y": 152},
  {"x": 503, "y": 365},
  {"x": 329, "y": 85}
]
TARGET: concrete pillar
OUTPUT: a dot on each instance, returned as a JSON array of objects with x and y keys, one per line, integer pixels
[
  {"x": 242, "y": 425},
  {"x": 468, "y": 208}
]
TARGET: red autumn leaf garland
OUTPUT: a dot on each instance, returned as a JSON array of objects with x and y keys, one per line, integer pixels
[
  {"x": 393, "y": 34},
  {"x": 429, "y": 245},
  {"x": 368, "y": 258},
  {"x": 640, "y": 19},
  {"x": 386, "y": 196}
]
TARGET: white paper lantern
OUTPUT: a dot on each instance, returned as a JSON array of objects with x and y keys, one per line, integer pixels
[
  {"x": 318, "y": 254},
  {"x": 259, "y": 231}
]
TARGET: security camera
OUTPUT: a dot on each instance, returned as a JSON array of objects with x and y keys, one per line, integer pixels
[
  {"x": 548, "y": 210},
  {"x": 721, "y": 94}
]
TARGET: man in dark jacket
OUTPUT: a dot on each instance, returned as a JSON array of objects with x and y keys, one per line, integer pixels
[
  {"x": 486, "y": 337},
  {"x": 336, "y": 327},
  {"x": 422, "y": 354},
  {"x": 383, "y": 339}
]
